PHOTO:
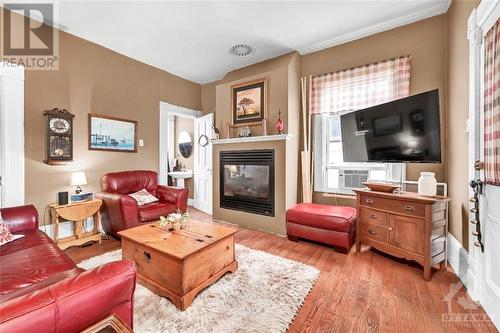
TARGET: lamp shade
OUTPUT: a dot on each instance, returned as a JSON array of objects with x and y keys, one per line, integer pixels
[{"x": 77, "y": 179}]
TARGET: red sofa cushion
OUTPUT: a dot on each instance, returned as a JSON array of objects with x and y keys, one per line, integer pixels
[
  {"x": 337, "y": 218},
  {"x": 126, "y": 182},
  {"x": 153, "y": 211},
  {"x": 30, "y": 259}
]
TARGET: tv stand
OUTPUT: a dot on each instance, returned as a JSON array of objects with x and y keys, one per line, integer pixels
[{"x": 404, "y": 225}]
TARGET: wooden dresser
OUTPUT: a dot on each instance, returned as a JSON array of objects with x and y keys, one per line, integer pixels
[{"x": 404, "y": 225}]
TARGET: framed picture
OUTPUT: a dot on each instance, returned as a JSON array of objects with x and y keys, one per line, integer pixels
[
  {"x": 248, "y": 103},
  {"x": 112, "y": 134}
]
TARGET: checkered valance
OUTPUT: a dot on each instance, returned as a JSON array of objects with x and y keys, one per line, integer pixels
[
  {"x": 492, "y": 105},
  {"x": 360, "y": 87}
]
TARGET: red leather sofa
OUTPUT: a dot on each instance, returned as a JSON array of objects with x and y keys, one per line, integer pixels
[
  {"x": 120, "y": 211},
  {"x": 332, "y": 225},
  {"x": 42, "y": 290}
]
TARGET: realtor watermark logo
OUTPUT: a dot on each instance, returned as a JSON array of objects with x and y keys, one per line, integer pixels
[
  {"x": 470, "y": 314},
  {"x": 29, "y": 37}
]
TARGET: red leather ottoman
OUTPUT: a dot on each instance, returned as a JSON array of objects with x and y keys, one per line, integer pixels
[{"x": 332, "y": 225}]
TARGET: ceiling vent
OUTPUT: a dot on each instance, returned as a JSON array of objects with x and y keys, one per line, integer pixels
[{"x": 241, "y": 50}]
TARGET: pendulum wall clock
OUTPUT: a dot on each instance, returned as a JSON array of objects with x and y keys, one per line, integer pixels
[{"x": 58, "y": 136}]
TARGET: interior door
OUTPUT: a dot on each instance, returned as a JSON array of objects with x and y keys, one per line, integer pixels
[
  {"x": 203, "y": 167},
  {"x": 484, "y": 245}
]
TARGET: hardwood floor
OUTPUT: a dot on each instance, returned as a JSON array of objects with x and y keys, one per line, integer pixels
[{"x": 356, "y": 292}]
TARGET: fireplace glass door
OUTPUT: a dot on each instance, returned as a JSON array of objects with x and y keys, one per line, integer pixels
[{"x": 247, "y": 181}]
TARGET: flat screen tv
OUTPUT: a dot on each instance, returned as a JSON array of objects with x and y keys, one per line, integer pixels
[{"x": 404, "y": 130}]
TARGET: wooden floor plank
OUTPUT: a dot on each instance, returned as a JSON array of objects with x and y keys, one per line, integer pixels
[{"x": 356, "y": 292}]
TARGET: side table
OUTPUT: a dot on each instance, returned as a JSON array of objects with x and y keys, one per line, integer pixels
[{"x": 77, "y": 212}]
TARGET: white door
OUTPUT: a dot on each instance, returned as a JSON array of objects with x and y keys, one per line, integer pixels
[
  {"x": 484, "y": 251},
  {"x": 203, "y": 164}
]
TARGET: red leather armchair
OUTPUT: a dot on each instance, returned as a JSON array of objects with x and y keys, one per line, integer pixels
[
  {"x": 120, "y": 211},
  {"x": 42, "y": 290}
]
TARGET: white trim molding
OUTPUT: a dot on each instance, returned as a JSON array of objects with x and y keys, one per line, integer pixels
[
  {"x": 12, "y": 158},
  {"x": 434, "y": 10},
  {"x": 259, "y": 138},
  {"x": 458, "y": 258}
]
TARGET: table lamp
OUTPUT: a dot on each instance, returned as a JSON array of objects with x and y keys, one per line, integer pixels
[{"x": 77, "y": 179}]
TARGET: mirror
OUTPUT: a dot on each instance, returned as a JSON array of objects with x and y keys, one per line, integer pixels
[{"x": 185, "y": 144}]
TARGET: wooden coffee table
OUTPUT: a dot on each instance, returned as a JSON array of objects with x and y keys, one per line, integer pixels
[{"x": 179, "y": 264}]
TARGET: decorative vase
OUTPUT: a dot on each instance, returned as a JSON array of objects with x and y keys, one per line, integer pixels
[
  {"x": 185, "y": 220},
  {"x": 427, "y": 184},
  {"x": 279, "y": 124}
]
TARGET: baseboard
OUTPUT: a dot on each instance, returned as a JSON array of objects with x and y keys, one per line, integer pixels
[
  {"x": 458, "y": 258},
  {"x": 191, "y": 202},
  {"x": 67, "y": 228}
]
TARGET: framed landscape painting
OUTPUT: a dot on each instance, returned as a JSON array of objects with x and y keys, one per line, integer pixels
[
  {"x": 248, "y": 103},
  {"x": 112, "y": 134}
]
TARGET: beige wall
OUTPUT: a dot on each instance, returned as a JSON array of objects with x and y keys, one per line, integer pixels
[
  {"x": 185, "y": 124},
  {"x": 424, "y": 41},
  {"x": 95, "y": 79},
  {"x": 457, "y": 101}
]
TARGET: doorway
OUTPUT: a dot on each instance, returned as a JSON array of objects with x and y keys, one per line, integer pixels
[{"x": 185, "y": 160}]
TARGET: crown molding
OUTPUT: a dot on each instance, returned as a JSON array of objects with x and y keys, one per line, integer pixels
[{"x": 379, "y": 27}]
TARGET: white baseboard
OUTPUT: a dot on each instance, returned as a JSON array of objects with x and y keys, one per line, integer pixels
[
  {"x": 458, "y": 258},
  {"x": 67, "y": 228},
  {"x": 191, "y": 202}
]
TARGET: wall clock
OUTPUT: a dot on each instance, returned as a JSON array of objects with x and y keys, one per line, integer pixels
[{"x": 58, "y": 136}]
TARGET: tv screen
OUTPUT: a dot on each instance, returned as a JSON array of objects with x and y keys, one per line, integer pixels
[{"x": 404, "y": 130}]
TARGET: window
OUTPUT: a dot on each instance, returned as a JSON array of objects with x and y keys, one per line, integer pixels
[{"x": 344, "y": 92}]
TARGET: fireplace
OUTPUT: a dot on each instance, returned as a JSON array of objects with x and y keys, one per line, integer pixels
[{"x": 247, "y": 181}]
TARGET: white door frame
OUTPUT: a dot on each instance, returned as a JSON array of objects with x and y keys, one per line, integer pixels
[
  {"x": 480, "y": 22},
  {"x": 12, "y": 135},
  {"x": 167, "y": 111}
]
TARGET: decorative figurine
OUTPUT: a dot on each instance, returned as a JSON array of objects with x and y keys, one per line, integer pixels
[
  {"x": 279, "y": 124},
  {"x": 215, "y": 133}
]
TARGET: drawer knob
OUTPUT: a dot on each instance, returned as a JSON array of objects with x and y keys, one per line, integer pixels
[
  {"x": 390, "y": 228},
  {"x": 409, "y": 208},
  {"x": 371, "y": 232},
  {"x": 372, "y": 216},
  {"x": 369, "y": 201},
  {"x": 147, "y": 257}
]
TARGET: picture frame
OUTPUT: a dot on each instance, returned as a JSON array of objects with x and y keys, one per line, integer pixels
[
  {"x": 249, "y": 103},
  {"x": 107, "y": 133}
]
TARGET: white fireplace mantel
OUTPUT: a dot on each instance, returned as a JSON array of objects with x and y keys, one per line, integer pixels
[{"x": 275, "y": 137}]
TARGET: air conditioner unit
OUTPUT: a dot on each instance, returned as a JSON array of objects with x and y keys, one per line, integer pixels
[{"x": 352, "y": 178}]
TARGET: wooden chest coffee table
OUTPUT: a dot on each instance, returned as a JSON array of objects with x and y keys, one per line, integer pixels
[{"x": 179, "y": 264}]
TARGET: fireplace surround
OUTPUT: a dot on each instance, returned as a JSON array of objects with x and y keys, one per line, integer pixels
[{"x": 247, "y": 181}]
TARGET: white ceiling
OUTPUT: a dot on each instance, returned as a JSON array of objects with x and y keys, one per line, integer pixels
[{"x": 192, "y": 39}]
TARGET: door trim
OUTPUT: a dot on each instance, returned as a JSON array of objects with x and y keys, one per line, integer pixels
[{"x": 168, "y": 110}]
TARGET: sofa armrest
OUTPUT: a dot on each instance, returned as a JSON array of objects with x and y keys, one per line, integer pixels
[
  {"x": 19, "y": 219},
  {"x": 74, "y": 303},
  {"x": 119, "y": 211},
  {"x": 175, "y": 195}
]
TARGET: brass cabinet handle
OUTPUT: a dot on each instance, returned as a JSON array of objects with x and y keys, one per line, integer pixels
[
  {"x": 369, "y": 201},
  {"x": 409, "y": 208},
  {"x": 372, "y": 216},
  {"x": 147, "y": 257},
  {"x": 371, "y": 232}
]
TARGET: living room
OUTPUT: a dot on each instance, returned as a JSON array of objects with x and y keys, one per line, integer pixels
[{"x": 165, "y": 176}]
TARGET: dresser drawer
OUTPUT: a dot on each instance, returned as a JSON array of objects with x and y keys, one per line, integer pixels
[
  {"x": 373, "y": 216},
  {"x": 393, "y": 206},
  {"x": 373, "y": 231}
]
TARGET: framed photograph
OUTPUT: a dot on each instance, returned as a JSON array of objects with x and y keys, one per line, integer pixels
[
  {"x": 248, "y": 103},
  {"x": 112, "y": 134}
]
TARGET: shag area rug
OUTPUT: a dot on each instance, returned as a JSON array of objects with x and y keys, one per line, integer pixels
[{"x": 263, "y": 295}]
